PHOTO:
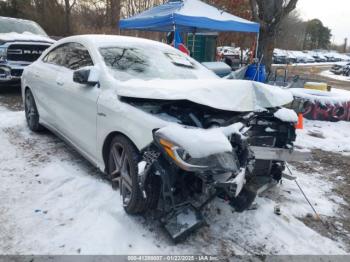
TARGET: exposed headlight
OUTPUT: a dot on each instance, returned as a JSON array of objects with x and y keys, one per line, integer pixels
[
  {"x": 222, "y": 162},
  {"x": 3, "y": 53}
]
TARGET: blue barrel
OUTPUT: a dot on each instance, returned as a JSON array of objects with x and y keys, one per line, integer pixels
[{"x": 256, "y": 73}]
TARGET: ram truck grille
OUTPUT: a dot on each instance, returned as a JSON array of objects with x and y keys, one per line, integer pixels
[{"x": 25, "y": 52}]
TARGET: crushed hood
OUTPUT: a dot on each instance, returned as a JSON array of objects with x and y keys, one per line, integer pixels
[
  {"x": 230, "y": 95},
  {"x": 26, "y": 36}
]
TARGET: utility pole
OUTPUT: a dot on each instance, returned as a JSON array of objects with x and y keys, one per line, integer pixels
[{"x": 345, "y": 44}]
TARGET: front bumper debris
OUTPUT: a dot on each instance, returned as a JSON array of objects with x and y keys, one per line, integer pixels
[
  {"x": 279, "y": 154},
  {"x": 182, "y": 221}
]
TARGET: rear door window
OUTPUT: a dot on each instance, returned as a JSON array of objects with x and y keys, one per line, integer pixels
[
  {"x": 57, "y": 55},
  {"x": 71, "y": 55},
  {"x": 77, "y": 57}
]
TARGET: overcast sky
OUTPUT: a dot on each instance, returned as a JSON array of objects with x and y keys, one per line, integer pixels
[{"x": 334, "y": 14}]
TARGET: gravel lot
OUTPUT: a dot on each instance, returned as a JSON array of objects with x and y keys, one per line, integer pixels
[{"x": 312, "y": 73}]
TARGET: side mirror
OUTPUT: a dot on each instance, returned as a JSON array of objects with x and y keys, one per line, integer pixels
[{"x": 86, "y": 76}]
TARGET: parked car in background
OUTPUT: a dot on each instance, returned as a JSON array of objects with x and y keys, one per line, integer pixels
[
  {"x": 279, "y": 59},
  {"x": 167, "y": 131},
  {"x": 221, "y": 69},
  {"x": 340, "y": 69},
  {"x": 333, "y": 56},
  {"x": 21, "y": 43},
  {"x": 284, "y": 57},
  {"x": 291, "y": 58},
  {"x": 347, "y": 71},
  {"x": 279, "y": 56},
  {"x": 304, "y": 57},
  {"x": 230, "y": 55},
  {"x": 319, "y": 58}
]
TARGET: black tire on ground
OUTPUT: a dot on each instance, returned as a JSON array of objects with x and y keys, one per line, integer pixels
[
  {"x": 123, "y": 172},
  {"x": 31, "y": 112}
]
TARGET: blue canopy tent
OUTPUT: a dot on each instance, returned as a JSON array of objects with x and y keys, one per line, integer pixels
[{"x": 188, "y": 16}]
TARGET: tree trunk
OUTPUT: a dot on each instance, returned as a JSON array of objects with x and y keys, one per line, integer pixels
[
  {"x": 270, "y": 14},
  {"x": 115, "y": 14},
  {"x": 267, "y": 40},
  {"x": 67, "y": 17}
]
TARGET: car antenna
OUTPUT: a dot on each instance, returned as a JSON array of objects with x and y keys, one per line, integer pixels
[{"x": 306, "y": 198}]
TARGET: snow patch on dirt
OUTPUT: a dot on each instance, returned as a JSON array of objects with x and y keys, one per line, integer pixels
[
  {"x": 329, "y": 74},
  {"x": 334, "y": 137}
]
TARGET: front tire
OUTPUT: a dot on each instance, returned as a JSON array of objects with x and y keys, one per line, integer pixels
[
  {"x": 31, "y": 112},
  {"x": 123, "y": 171}
]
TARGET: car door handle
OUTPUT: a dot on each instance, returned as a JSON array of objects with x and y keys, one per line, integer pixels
[
  {"x": 101, "y": 114},
  {"x": 60, "y": 83}
]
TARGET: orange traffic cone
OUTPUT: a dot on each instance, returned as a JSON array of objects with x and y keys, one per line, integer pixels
[{"x": 300, "y": 124}]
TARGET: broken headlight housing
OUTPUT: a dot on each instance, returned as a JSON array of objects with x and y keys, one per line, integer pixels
[{"x": 222, "y": 162}]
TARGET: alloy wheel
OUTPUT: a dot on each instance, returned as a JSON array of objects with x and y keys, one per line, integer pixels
[
  {"x": 121, "y": 173},
  {"x": 30, "y": 110}
]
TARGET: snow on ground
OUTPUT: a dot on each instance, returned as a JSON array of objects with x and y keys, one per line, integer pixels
[
  {"x": 328, "y": 136},
  {"x": 54, "y": 202},
  {"x": 329, "y": 74},
  {"x": 314, "y": 64}
]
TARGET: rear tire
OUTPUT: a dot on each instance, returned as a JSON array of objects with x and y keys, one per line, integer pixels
[
  {"x": 31, "y": 112},
  {"x": 123, "y": 172}
]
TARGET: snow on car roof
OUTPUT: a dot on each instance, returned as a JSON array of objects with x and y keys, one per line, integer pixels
[
  {"x": 14, "y": 19},
  {"x": 25, "y": 36},
  {"x": 100, "y": 40}
]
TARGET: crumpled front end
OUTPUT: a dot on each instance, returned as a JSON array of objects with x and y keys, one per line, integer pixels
[
  {"x": 205, "y": 153},
  {"x": 192, "y": 172}
]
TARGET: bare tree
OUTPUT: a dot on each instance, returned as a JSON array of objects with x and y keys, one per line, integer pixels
[
  {"x": 270, "y": 13},
  {"x": 68, "y": 5},
  {"x": 113, "y": 8},
  {"x": 291, "y": 33},
  {"x": 239, "y": 8}
]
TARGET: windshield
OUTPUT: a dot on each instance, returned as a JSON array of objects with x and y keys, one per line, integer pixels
[
  {"x": 150, "y": 62},
  {"x": 8, "y": 25}
]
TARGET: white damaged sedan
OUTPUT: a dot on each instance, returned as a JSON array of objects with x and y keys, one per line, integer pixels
[{"x": 166, "y": 130}]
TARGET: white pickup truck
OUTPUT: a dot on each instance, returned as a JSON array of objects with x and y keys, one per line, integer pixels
[{"x": 21, "y": 43}]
